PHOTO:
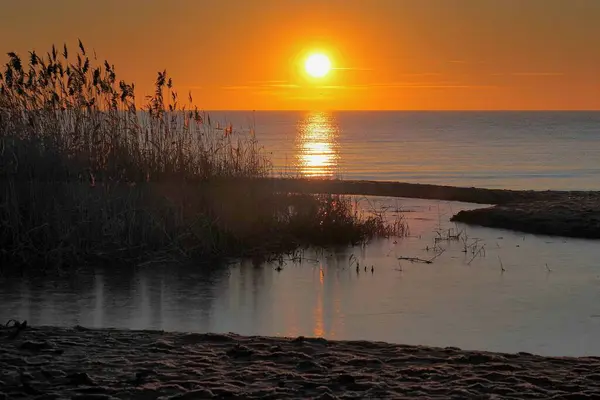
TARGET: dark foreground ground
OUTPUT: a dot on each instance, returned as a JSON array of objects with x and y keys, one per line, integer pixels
[
  {"x": 560, "y": 213},
  {"x": 57, "y": 363}
]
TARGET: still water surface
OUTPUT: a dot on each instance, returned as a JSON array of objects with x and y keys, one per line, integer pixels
[
  {"x": 516, "y": 150},
  {"x": 547, "y": 301}
]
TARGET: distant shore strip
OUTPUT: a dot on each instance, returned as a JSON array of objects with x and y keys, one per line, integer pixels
[{"x": 557, "y": 213}]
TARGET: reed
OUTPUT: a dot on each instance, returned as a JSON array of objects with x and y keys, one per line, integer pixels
[
  {"x": 64, "y": 118},
  {"x": 86, "y": 175}
]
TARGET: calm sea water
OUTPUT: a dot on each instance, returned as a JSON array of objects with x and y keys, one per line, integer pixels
[
  {"x": 517, "y": 150},
  {"x": 547, "y": 300}
]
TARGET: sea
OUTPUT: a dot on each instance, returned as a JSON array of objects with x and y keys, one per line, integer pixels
[
  {"x": 508, "y": 292},
  {"x": 510, "y": 150}
]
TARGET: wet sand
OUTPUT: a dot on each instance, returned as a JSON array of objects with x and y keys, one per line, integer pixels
[
  {"x": 53, "y": 363},
  {"x": 559, "y": 213}
]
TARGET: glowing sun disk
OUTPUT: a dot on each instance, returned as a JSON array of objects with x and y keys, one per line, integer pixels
[{"x": 317, "y": 65}]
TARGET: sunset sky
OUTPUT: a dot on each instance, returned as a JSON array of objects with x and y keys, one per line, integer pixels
[{"x": 385, "y": 54}]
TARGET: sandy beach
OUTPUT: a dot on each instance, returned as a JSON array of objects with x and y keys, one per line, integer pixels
[{"x": 56, "y": 363}]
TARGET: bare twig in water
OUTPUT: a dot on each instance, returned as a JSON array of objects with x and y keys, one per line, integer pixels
[
  {"x": 352, "y": 259},
  {"x": 415, "y": 259},
  {"x": 481, "y": 252},
  {"x": 423, "y": 261},
  {"x": 437, "y": 255},
  {"x": 501, "y": 265}
]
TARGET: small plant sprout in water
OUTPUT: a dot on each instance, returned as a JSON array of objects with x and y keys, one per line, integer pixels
[
  {"x": 477, "y": 251},
  {"x": 501, "y": 265},
  {"x": 399, "y": 266},
  {"x": 353, "y": 261},
  {"x": 449, "y": 235}
]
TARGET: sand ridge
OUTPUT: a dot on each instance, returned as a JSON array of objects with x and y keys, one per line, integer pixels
[{"x": 56, "y": 363}]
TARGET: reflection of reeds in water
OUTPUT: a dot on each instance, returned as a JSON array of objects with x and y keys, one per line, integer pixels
[{"x": 317, "y": 152}]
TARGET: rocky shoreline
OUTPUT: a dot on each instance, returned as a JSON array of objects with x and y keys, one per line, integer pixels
[
  {"x": 79, "y": 363},
  {"x": 559, "y": 213}
]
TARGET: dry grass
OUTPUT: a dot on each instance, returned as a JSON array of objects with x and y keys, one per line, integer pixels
[{"x": 86, "y": 175}]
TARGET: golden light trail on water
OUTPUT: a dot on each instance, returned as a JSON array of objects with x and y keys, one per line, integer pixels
[{"x": 317, "y": 149}]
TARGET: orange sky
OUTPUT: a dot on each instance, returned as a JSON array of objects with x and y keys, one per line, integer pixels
[{"x": 389, "y": 54}]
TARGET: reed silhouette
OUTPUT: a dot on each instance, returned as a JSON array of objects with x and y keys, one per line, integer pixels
[{"x": 87, "y": 175}]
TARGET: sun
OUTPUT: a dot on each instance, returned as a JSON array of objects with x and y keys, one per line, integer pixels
[{"x": 317, "y": 65}]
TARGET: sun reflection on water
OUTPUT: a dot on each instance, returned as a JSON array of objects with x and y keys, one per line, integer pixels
[
  {"x": 317, "y": 148},
  {"x": 319, "y": 330}
]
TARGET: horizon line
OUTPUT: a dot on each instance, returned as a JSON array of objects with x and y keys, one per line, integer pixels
[{"x": 401, "y": 110}]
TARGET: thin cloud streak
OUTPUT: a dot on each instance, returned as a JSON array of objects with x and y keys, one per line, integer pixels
[
  {"x": 239, "y": 87},
  {"x": 393, "y": 85},
  {"x": 267, "y": 82},
  {"x": 262, "y": 86},
  {"x": 537, "y": 74},
  {"x": 530, "y": 74},
  {"x": 351, "y": 69},
  {"x": 282, "y": 85},
  {"x": 409, "y": 85}
]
